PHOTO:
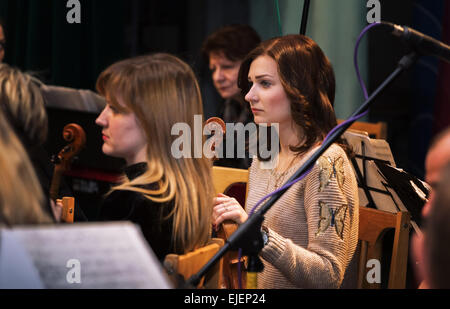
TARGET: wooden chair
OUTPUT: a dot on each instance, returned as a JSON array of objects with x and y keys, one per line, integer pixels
[
  {"x": 68, "y": 209},
  {"x": 373, "y": 225},
  {"x": 231, "y": 180},
  {"x": 224, "y": 178},
  {"x": 376, "y": 130},
  {"x": 190, "y": 263}
]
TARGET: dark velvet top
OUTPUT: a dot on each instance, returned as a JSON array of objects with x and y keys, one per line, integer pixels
[
  {"x": 235, "y": 111},
  {"x": 122, "y": 205}
]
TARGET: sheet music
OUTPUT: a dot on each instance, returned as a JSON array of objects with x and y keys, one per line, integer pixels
[
  {"x": 374, "y": 180},
  {"x": 377, "y": 149},
  {"x": 374, "y": 148},
  {"x": 110, "y": 255},
  {"x": 16, "y": 268}
]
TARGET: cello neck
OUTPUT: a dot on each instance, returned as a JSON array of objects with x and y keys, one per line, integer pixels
[{"x": 56, "y": 181}]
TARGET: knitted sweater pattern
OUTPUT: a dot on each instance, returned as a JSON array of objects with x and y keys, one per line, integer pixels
[{"x": 313, "y": 227}]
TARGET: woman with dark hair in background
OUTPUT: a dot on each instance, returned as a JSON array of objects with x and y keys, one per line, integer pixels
[
  {"x": 311, "y": 232},
  {"x": 224, "y": 51}
]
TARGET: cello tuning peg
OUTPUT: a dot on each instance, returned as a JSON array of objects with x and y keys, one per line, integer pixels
[{"x": 55, "y": 159}]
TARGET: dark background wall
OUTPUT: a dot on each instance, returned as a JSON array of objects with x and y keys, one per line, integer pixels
[
  {"x": 409, "y": 104},
  {"x": 39, "y": 39}
]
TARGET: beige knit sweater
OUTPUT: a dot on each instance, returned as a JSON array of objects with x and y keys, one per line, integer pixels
[{"x": 313, "y": 227}]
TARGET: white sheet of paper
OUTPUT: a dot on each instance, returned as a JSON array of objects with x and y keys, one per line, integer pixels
[
  {"x": 16, "y": 267},
  {"x": 105, "y": 255},
  {"x": 375, "y": 148}
]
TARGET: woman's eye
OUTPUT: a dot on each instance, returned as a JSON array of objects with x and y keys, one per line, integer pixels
[
  {"x": 113, "y": 109},
  {"x": 265, "y": 83}
]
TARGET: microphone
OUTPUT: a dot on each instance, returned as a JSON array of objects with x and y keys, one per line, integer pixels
[{"x": 424, "y": 44}]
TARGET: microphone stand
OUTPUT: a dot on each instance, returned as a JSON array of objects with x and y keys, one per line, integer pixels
[
  {"x": 248, "y": 235},
  {"x": 304, "y": 17}
]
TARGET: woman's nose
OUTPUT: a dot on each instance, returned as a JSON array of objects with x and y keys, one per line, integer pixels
[
  {"x": 250, "y": 96},
  {"x": 218, "y": 75},
  {"x": 101, "y": 119}
]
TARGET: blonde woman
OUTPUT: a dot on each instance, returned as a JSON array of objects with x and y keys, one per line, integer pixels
[
  {"x": 23, "y": 106},
  {"x": 171, "y": 199},
  {"x": 20, "y": 192}
]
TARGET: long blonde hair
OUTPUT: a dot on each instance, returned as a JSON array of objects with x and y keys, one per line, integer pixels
[
  {"x": 161, "y": 90},
  {"x": 23, "y": 104},
  {"x": 21, "y": 195}
]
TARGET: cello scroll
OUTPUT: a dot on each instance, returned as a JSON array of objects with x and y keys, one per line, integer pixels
[{"x": 74, "y": 134}]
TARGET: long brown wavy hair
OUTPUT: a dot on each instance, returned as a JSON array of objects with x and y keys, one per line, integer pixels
[
  {"x": 161, "y": 90},
  {"x": 308, "y": 79}
]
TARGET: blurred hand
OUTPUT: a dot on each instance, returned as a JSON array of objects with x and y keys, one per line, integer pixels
[
  {"x": 57, "y": 209},
  {"x": 227, "y": 208}
]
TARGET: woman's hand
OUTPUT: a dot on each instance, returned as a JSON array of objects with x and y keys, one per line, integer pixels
[
  {"x": 57, "y": 209},
  {"x": 227, "y": 208}
]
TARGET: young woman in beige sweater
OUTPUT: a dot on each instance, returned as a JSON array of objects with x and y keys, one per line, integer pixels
[{"x": 312, "y": 230}]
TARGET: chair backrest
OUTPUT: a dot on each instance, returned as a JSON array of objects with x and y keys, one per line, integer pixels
[
  {"x": 373, "y": 225},
  {"x": 232, "y": 182},
  {"x": 190, "y": 263},
  {"x": 225, "y": 177},
  {"x": 377, "y": 130}
]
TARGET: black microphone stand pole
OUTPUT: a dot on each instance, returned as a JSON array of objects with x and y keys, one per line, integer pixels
[
  {"x": 304, "y": 16},
  {"x": 248, "y": 235}
]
